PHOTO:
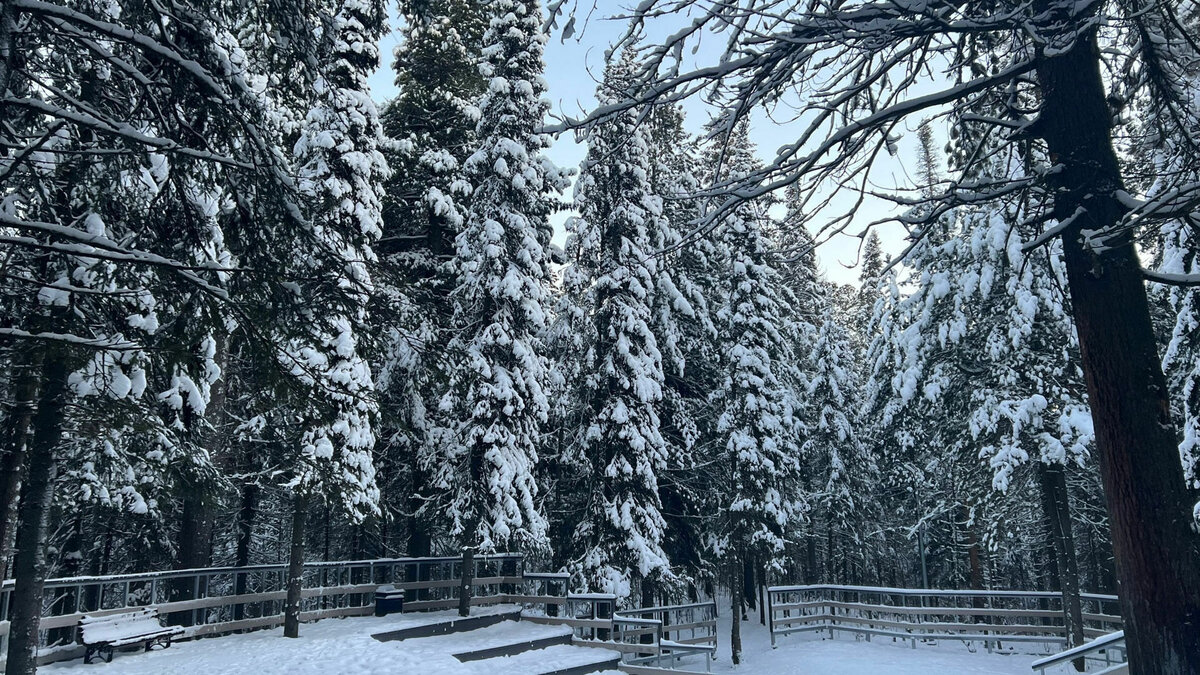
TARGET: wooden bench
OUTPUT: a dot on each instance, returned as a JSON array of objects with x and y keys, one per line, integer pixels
[{"x": 102, "y": 634}]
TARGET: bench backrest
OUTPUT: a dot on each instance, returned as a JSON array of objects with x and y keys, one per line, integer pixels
[{"x": 111, "y": 627}]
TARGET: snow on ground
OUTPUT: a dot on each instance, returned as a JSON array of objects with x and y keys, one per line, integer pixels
[
  {"x": 812, "y": 654},
  {"x": 345, "y": 647}
]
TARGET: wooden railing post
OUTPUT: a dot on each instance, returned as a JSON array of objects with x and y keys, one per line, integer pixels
[{"x": 468, "y": 580}]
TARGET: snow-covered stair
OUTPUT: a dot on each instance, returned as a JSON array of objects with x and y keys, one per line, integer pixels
[
  {"x": 511, "y": 638},
  {"x": 499, "y": 643},
  {"x": 555, "y": 660}
]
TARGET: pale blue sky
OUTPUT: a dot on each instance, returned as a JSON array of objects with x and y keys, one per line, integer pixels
[{"x": 572, "y": 68}]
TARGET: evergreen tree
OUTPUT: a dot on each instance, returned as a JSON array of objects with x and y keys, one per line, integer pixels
[
  {"x": 617, "y": 278},
  {"x": 500, "y": 304},
  {"x": 431, "y": 123},
  {"x": 837, "y": 463},
  {"x": 757, "y": 425},
  {"x": 689, "y": 291}
]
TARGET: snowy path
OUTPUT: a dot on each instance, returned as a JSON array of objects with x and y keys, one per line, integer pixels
[{"x": 345, "y": 647}]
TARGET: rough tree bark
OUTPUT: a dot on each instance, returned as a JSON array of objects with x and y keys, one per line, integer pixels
[
  {"x": 247, "y": 511},
  {"x": 16, "y": 447},
  {"x": 30, "y": 564},
  {"x": 1156, "y": 551},
  {"x": 1056, "y": 504},
  {"x": 295, "y": 575}
]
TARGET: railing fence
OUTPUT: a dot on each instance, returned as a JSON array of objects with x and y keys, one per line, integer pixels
[
  {"x": 988, "y": 617},
  {"x": 228, "y": 599}
]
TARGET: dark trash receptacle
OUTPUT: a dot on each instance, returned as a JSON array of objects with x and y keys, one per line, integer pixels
[{"x": 388, "y": 600}]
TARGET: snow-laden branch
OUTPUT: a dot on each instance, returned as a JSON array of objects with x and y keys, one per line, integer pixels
[
  {"x": 119, "y": 32},
  {"x": 93, "y": 343}
]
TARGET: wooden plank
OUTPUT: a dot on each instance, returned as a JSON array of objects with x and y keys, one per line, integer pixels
[
  {"x": 534, "y": 599},
  {"x": 689, "y": 626}
]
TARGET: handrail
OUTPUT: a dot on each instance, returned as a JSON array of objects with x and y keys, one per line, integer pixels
[
  {"x": 987, "y": 616},
  {"x": 165, "y": 574},
  {"x": 937, "y": 592},
  {"x": 1100, "y": 644},
  {"x": 666, "y": 608}
]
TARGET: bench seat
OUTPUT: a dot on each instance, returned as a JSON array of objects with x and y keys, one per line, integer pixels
[{"x": 102, "y": 634}]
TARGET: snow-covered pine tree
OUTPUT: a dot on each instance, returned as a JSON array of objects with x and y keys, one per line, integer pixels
[
  {"x": 837, "y": 464},
  {"x": 757, "y": 425},
  {"x": 1164, "y": 159},
  {"x": 978, "y": 360},
  {"x": 689, "y": 290},
  {"x": 114, "y": 186},
  {"x": 497, "y": 388},
  {"x": 340, "y": 172},
  {"x": 432, "y": 125},
  {"x": 616, "y": 277}
]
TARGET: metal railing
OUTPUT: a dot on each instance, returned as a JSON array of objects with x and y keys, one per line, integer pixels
[
  {"x": 1108, "y": 650},
  {"x": 990, "y": 617},
  {"x": 657, "y": 637},
  {"x": 690, "y": 624},
  {"x": 227, "y": 599}
]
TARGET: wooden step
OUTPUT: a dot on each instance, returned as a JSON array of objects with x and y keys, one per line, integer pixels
[
  {"x": 454, "y": 625},
  {"x": 557, "y": 660},
  {"x": 631, "y": 669},
  {"x": 514, "y": 638}
]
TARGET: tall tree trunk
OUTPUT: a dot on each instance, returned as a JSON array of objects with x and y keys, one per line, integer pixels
[
  {"x": 735, "y": 631},
  {"x": 467, "y": 580},
  {"x": 247, "y": 514},
  {"x": 762, "y": 595},
  {"x": 247, "y": 511},
  {"x": 30, "y": 565},
  {"x": 810, "y": 557},
  {"x": 1157, "y": 553},
  {"x": 748, "y": 593},
  {"x": 16, "y": 447},
  {"x": 648, "y": 593},
  {"x": 420, "y": 543},
  {"x": 1053, "y": 479},
  {"x": 295, "y": 576}
]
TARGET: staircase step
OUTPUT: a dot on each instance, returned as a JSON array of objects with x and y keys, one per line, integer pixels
[
  {"x": 512, "y": 638},
  {"x": 630, "y": 669},
  {"x": 452, "y": 625},
  {"x": 556, "y": 660}
]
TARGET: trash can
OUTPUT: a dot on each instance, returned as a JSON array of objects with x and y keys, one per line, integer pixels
[{"x": 388, "y": 600}]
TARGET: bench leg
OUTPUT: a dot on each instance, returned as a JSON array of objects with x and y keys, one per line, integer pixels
[{"x": 108, "y": 654}]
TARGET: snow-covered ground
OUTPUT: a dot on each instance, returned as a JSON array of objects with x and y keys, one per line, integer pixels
[
  {"x": 810, "y": 654},
  {"x": 345, "y": 647}
]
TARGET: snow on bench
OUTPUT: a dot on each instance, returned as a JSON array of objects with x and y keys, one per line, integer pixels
[{"x": 102, "y": 634}]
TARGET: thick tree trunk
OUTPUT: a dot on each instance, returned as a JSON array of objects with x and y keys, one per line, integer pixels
[
  {"x": 16, "y": 448},
  {"x": 1157, "y": 556},
  {"x": 295, "y": 576},
  {"x": 1053, "y": 479},
  {"x": 30, "y": 564},
  {"x": 247, "y": 514},
  {"x": 420, "y": 542},
  {"x": 247, "y": 511},
  {"x": 648, "y": 593},
  {"x": 194, "y": 548}
]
